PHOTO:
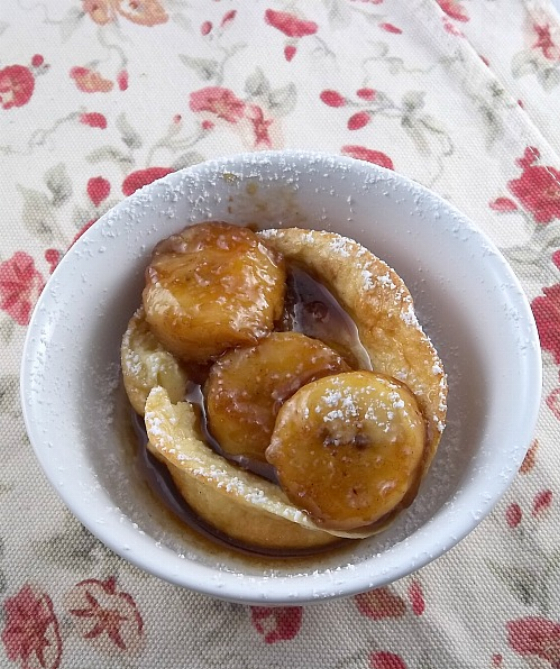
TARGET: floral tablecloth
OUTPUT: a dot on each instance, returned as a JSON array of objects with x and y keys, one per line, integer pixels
[{"x": 97, "y": 98}]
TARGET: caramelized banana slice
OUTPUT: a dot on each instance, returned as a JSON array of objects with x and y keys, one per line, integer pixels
[
  {"x": 246, "y": 388},
  {"x": 246, "y": 507},
  {"x": 348, "y": 448},
  {"x": 213, "y": 287},
  {"x": 146, "y": 364},
  {"x": 382, "y": 308}
]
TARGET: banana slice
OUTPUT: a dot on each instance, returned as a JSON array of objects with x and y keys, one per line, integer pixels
[
  {"x": 213, "y": 287},
  {"x": 145, "y": 364},
  {"x": 246, "y": 388},
  {"x": 244, "y": 506},
  {"x": 348, "y": 448},
  {"x": 382, "y": 308}
]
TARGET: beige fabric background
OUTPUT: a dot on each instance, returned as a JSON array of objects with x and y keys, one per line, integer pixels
[{"x": 461, "y": 96}]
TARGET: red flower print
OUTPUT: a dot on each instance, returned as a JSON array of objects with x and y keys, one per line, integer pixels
[
  {"x": 90, "y": 81},
  {"x": 546, "y": 310},
  {"x": 453, "y": 9},
  {"x": 52, "y": 256},
  {"x": 37, "y": 60},
  {"x": 556, "y": 258},
  {"x": 513, "y": 515},
  {"x": 260, "y": 126},
  {"x": 333, "y": 98},
  {"x": 541, "y": 502},
  {"x": 228, "y": 18},
  {"x": 380, "y": 603},
  {"x": 206, "y": 28},
  {"x": 366, "y": 94},
  {"x": 142, "y": 12},
  {"x": 538, "y": 190},
  {"x": 122, "y": 80},
  {"x": 530, "y": 458},
  {"x": 530, "y": 155},
  {"x": 370, "y": 156},
  {"x": 289, "y": 52},
  {"x": 290, "y": 24},
  {"x": 217, "y": 100},
  {"x": 207, "y": 125},
  {"x": 416, "y": 596},
  {"x": 503, "y": 204},
  {"x": 278, "y": 623},
  {"x": 359, "y": 120},
  {"x": 20, "y": 286},
  {"x": 451, "y": 29},
  {"x": 544, "y": 42},
  {"x": 136, "y": 180},
  {"x": 536, "y": 636},
  {"x": 94, "y": 120},
  {"x": 385, "y": 660},
  {"x": 16, "y": 86},
  {"x": 31, "y": 633},
  {"x": 106, "y": 615},
  {"x": 390, "y": 28},
  {"x": 553, "y": 402},
  {"x": 98, "y": 190}
]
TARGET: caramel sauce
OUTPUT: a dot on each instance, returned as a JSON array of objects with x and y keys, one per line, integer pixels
[{"x": 309, "y": 308}]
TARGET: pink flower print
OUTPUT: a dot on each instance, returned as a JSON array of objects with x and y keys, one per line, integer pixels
[
  {"x": 359, "y": 120},
  {"x": 106, "y": 615},
  {"x": 52, "y": 256},
  {"x": 219, "y": 101},
  {"x": 206, "y": 28},
  {"x": 390, "y": 28},
  {"x": 16, "y": 86},
  {"x": 541, "y": 502},
  {"x": 31, "y": 633},
  {"x": 140, "y": 178},
  {"x": 98, "y": 190},
  {"x": 369, "y": 155},
  {"x": 550, "y": 50},
  {"x": 503, "y": 204},
  {"x": 453, "y": 9},
  {"x": 122, "y": 80},
  {"x": 277, "y": 623},
  {"x": 260, "y": 126},
  {"x": 20, "y": 286},
  {"x": 538, "y": 190},
  {"x": 290, "y": 24},
  {"x": 289, "y": 52},
  {"x": 333, "y": 98},
  {"x": 514, "y": 515},
  {"x": 546, "y": 310},
  {"x": 94, "y": 120},
  {"x": 380, "y": 603},
  {"x": 228, "y": 18},
  {"x": 416, "y": 596},
  {"x": 553, "y": 402},
  {"x": 536, "y": 636},
  {"x": 366, "y": 94},
  {"x": 90, "y": 81},
  {"x": 385, "y": 660}
]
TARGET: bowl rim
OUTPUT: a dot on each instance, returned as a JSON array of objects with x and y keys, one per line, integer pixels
[{"x": 349, "y": 579}]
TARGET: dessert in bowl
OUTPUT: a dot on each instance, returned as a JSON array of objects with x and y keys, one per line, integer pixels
[{"x": 79, "y": 415}]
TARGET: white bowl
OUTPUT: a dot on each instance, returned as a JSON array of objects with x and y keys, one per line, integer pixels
[{"x": 466, "y": 296}]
